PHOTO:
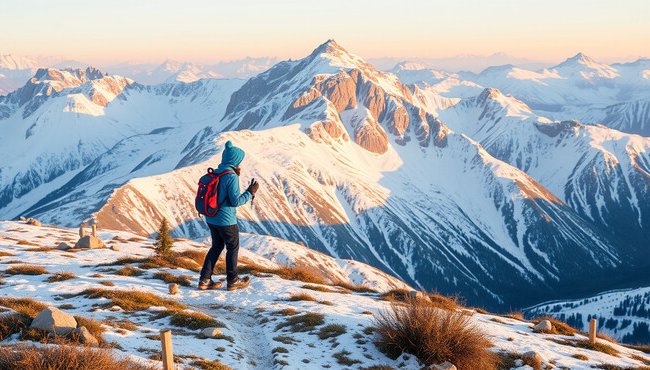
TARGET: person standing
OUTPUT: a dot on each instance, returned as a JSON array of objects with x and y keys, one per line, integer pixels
[{"x": 223, "y": 226}]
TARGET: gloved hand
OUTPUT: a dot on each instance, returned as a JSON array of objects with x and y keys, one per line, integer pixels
[{"x": 252, "y": 188}]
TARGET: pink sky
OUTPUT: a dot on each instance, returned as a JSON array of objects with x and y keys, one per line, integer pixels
[{"x": 206, "y": 31}]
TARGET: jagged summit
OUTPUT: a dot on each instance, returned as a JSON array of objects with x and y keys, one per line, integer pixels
[{"x": 66, "y": 74}]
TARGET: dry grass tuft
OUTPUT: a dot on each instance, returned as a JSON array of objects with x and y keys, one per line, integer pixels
[
  {"x": 581, "y": 357},
  {"x": 286, "y": 312},
  {"x": 129, "y": 270},
  {"x": 131, "y": 300},
  {"x": 107, "y": 283},
  {"x": 12, "y": 323},
  {"x": 300, "y": 323},
  {"x": 40, "y": 249},
  {"x": 26, "y": 306},
  {"x": 63, "y": 357},
  {"x": 320, "y": 288},
  {"x": 61, "y": 276},
  {"x": 331, "y": 331},
  {"x": 516, "y": 316},
  {"x": 5, "y": 254},
  {"x": 350, "y": 287},
  {"x": 191, "y": 319},
  {"x": 210, "y": 365},
  {"x": 586, "y": 344},
  {"x": 433, "y": 336},
  {"x": 301, "y": 297},
  {"x": 26, "y": 242},
  {"x": 26, "y": 270},
  {"x": 169, "y": 278}
]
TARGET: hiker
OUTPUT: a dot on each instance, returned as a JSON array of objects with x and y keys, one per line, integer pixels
[{"x": 223, "y": 225}]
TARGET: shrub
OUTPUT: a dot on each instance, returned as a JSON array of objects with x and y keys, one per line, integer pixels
[
  {"x": 280, "y": 350},
  {"x": 26, "y": 270},
  {"x": 62, "y": 357},
  {"x": 170, "y": 278},
  {"x": 290, "y": 311},
  {"x": 132, "y": 300},
  {"x": 164, "y": 241},
  {"x": 285, "y": 339},
  {"x": 60, "y": 276},
  {"x": 433, "y": 335},
  {"x": 331, "y": 330},
  {"x": 304, "y": 322},
  {"x": 350, "y": 287}
]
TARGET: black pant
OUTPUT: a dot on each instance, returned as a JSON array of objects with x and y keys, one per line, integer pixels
[{"x": 222, "y": 235}]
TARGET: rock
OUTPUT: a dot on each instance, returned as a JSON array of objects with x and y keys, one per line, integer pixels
[
  {"x": 33, "y": 221},
  {"x": 533, "y": 359},
  {"x": 22, "y": 218},
  {"x": 89, "y": 242},
  {"x": 63, "y": 246},
  {"x": 54, "y": 320},
  {"x": 443, "y": 366},
  {"x": 543, "y": 326},
  {"x": 85, "y": 337},
  {"x": 116, "y": 308},
  {"x": 211, "y": 332},
  {"x": 115, "y": 247},
  {"x": 173, "y": 288}
]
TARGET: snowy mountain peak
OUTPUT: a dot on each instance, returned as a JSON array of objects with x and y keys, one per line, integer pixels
[
  {"x": 586, "y": 67},
  {"x": 68, "y": 74},
  {"x": 331, "y": 54}
]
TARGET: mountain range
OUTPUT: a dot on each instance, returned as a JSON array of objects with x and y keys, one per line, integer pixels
[{"x": 509, "y": 187}]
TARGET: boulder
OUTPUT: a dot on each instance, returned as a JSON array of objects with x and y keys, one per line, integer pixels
[
  {"x": 173, "y": 288},
  {"x": 55, "y": 321},
  {"x": 22, "y": 218},
  {"x": 63, "y": 246},
  {"x": 89, "y": 242},
  {"x": 85, "y": 337},
  {"x": 116, "y": 308},
  {"x": 443, "y": 366},
  {"x": 211, "y": 332},
  {"x": 115, "y": 247},
  {"x": 543, "y": 326}
]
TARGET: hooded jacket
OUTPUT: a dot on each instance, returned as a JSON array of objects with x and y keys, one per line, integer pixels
[{"x": 229, "y": 193}]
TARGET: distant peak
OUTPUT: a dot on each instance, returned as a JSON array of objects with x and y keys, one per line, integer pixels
[
  {"x": 329, "y": 47},
  {"x": 89, "y": 73},
  {"x": 579, "y": 58},
  {"x": 490, "y": 93}
]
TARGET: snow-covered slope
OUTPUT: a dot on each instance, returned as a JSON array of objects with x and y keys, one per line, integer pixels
[
  {"x": 622, "y": 314},
  {"x": 603, "y": 174},
  {"x": 252, "y": 319}
]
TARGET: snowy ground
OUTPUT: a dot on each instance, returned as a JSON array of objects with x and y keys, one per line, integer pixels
[{"x": 251, "y": 337}]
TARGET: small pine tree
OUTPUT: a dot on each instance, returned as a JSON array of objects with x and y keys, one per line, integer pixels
[{"x": 164, "y": 241}]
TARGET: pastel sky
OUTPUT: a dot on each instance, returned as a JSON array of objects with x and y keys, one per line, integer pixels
[{"x": 209, "y": 30}]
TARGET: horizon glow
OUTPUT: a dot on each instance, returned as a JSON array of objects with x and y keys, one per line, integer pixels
[{"x": 206, "y": 31}]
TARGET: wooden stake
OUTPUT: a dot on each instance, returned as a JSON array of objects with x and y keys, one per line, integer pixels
[
  {"x": 95, "y": 230},
  {"x": 167, "y": 352},
  {"x": 82, "y": 233},
  {"x": 592, "y": 330}
]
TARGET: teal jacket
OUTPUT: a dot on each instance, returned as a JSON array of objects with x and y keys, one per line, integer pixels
[{"x": 229, "y": 198}]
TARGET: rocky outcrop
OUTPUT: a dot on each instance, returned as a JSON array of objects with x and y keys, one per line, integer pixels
[
  {"x": 339, "y": 89},
  {"x": 371, "y": 137}
]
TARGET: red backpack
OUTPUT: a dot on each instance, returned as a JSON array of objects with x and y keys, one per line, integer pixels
[{"x": 207, "y": 202}]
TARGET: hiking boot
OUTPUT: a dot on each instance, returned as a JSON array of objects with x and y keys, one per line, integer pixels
[
  {"x": 209, "y": 284},
  {"x": 238, "y": 283}
]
